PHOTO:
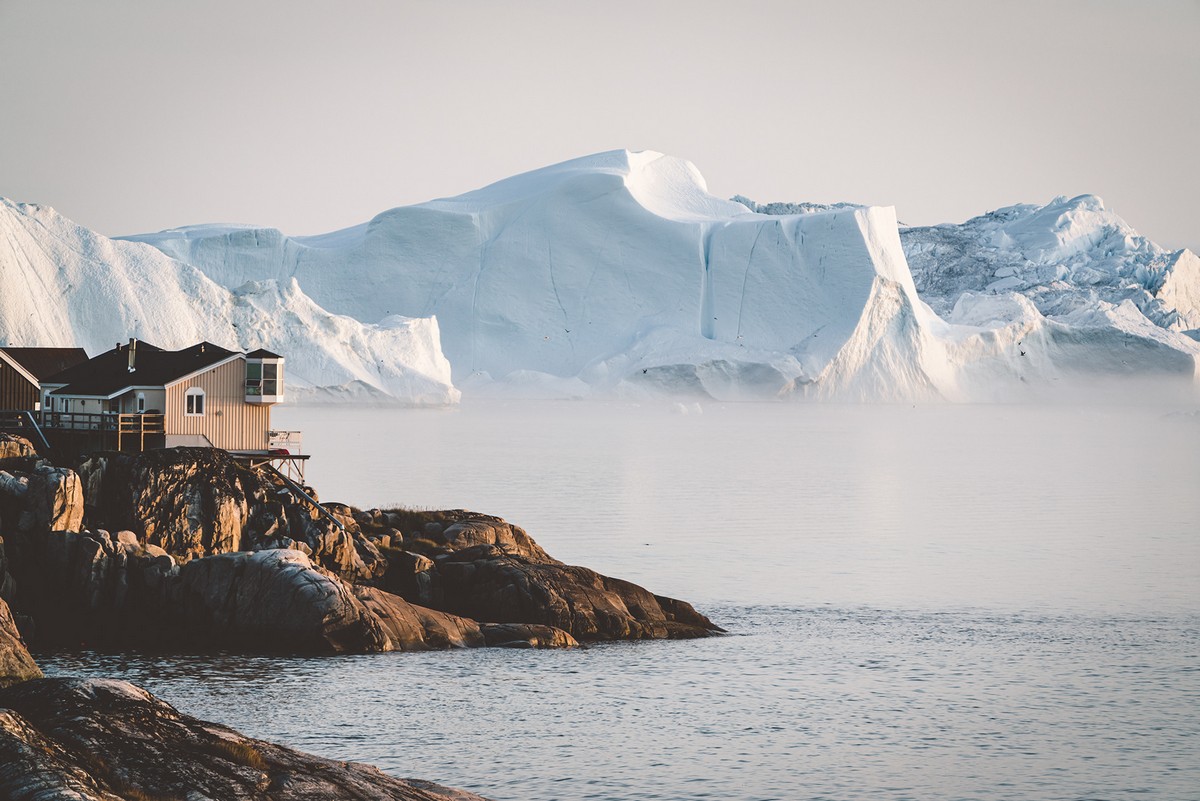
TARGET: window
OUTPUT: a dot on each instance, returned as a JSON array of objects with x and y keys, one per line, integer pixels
[
  {"x": 254, "y": 378},
  {"x": 141, "y": 402},
  {"x": 270, "y": 378},
  {"x": 194, "y": 402}
]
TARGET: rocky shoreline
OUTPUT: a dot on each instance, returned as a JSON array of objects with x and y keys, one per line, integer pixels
[{"x": 187, "y": 550}]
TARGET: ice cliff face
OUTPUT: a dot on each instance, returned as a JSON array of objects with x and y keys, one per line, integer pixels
[
  {"x": 620, "y": 274},
  {"x": 616, "y": 272},
  {"x": 63, "y": 285},
  {"x": 1031, "y": 295}
]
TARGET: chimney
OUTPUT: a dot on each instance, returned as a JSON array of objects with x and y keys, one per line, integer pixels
[{"x": 132, "y": 354}]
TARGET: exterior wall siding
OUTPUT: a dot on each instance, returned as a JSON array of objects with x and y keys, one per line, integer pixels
[
  {"x": 15, "y": 390},
  {"x": 228, "y": 421},
  {"x": 155, "y": 399}
]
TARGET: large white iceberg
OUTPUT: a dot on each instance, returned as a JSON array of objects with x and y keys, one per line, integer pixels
[
  {"x": 64, "y": 285},
  {"x": 617, "y": 272},
  {"x": 620, "y": 274}
]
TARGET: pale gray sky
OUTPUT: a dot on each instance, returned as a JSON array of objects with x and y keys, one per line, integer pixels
[{"x": 133, "y": 116}]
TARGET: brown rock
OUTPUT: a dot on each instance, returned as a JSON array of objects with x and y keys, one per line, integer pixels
[
  {"x": 414, "y": 628},
  {"x": 13, "y": 446},
  {"x": 274, "y": 600},
  {"x": 489, "y": 585},
  {"x": 16, "y": 665},
  {"x": 525, "y": 635},
  {"x": 475, "y": 529},
  {"x": 189, "y": 501},
  {"x": 55, "y": 499}
]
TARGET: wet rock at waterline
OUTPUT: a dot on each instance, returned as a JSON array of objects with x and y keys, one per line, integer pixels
[
  {"x": 526, "y": 635},
  {"x": 106, "y": 740},
  {"x": 186, "y": 548},
  {"x": 16, "y": 665},
  {"x": 487, "y": 583}
]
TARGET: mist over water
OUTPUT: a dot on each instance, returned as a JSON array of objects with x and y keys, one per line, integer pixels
[
  {"x": 932, "y": 602},
  {"x": 929, "y": 507}
]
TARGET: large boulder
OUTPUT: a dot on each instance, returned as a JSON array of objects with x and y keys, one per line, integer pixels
[
  {"x": 464, "y": 529},
  {"x": 13, "y": 446},
  {"x": 16, "y": 665},
  {"x": 274, "y": 600},
  {"x": 105, "y": 740},
  {"x": 278, "y": 600},
  {"x": 92, "y": 588},
  {"x": 55, "y": 499},
  {"x": 488, "y": 584},
  {"x": 41, "y": 498},
  {"x": 482, "y": 567},
  {"x": 409, "y": 627},
  {"x": 191, "y": 502}
]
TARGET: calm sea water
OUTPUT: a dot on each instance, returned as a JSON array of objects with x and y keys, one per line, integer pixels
[{"x": 924, "y": 603}]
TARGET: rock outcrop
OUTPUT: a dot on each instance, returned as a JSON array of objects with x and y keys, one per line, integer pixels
[
  {"x": 15, "y": 447},
  {"x": 525, "y": 635},
  {"x": 273, "y": 600},
  {"x": 187, "y": 548},
  {"x": 484, "y": 568},
  {"x": 487, "y": 583},
  {"x": 16, "y": 665},
  {"x": 105, "y": 740},
  {"x": 409, "y": 627},
  {"x": 197, "y": 502},
  {"x": 191, "y": 502}
]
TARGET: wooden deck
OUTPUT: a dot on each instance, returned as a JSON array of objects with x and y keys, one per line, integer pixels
[{"x": 127, "y": 431}]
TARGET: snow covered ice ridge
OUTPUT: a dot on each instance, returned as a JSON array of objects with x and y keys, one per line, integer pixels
[
  {"x": 63, "y": 285},
  {"x": 619, "y": 274}
]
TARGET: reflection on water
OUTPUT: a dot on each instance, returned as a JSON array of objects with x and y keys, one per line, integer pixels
[{"x": 925, "y": 603}]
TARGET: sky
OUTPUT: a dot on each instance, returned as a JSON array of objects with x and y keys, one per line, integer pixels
[{"x": 131, "y": 116}]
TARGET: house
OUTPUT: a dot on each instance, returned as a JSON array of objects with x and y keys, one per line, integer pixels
[
  {"x": 23, "y": 369},
  {"x": 145, "y": 397}
]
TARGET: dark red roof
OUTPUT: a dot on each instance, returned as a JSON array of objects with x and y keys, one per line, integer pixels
[{"x": 108, "y": 374}]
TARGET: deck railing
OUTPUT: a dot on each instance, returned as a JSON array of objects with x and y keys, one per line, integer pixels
[
  {"x": 138, "y": 424},
  {"x": 289, "y": 441}
]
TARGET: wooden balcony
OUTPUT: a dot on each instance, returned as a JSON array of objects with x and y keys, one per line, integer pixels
[{"x": 130, "y": 430}]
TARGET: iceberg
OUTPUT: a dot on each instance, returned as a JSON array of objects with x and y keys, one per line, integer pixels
[
  {"x": 620, "y": 275},
  {"x": 64, "y": 285},
  {"x": 621, "y": 272}
]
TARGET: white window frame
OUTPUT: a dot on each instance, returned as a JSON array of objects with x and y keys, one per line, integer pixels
[
  {"x": 188, "y": 403},
  {"x": 140, "y": 403}
]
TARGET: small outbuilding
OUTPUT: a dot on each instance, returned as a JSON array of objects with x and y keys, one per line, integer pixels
[{"x": 23, "y": 369}]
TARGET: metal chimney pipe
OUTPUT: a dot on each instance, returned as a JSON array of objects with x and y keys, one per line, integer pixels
[{"x": 132, "y": 354}]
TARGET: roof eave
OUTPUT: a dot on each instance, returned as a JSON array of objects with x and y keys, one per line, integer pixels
[
  {"x": 28, "y": 376},
  {"x": 202, "y": 370}
]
